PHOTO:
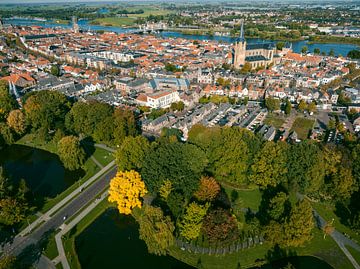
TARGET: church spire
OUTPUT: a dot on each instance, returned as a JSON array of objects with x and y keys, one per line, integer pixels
[{"x": 242, "y": 30}]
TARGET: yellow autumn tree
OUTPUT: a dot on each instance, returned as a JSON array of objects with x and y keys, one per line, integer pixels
[{"x": 126, "y": 189}]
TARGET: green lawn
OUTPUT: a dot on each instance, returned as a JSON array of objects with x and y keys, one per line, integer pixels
[
  {"x": 354, "y": 253},
  {"x": 69, "y": 238},
  {"x": 275, "y": 120},
  {"x": 302, "y": 126},
  {"x": 32, "y": 140},
  {"x": 51, "y": 249},
  {"x": 325, "y": 249},
  {"x": 244, "y": 198},
  {"x": 327, "y": 211},
  {"x": 103, "y": 156},
  {"x": 114, "y": 21},
  {"x": 130, "y": 20}
]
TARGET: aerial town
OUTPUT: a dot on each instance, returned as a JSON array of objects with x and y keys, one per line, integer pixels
[
  {"x": 194, "y": 135},
  {"x": 148, "y": 71}
]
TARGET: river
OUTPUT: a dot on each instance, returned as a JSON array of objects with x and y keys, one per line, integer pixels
[{"x": 339, "y": 49}]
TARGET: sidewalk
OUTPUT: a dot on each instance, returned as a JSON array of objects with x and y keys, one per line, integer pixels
[
  {"x": 66, "y": 228},
  {"x": 63, "y": 202}
]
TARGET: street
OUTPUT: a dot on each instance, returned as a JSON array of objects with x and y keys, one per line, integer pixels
[{"x": 20, "y": 243}]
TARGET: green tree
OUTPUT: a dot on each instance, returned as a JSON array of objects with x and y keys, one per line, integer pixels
[
  {"x": 12, "y": 211},
  {"x": 177, "y": 106},
  {"x": 304, "y": 49},
  {"x": 272, "y": 104},
  {"x": 343, "y": 184},
  {"x": 331, "y": 124},
  {"x": 354, "y": 54},
  {"x": 182, "y": 164},
  {"x": 246, "y": 68},
  {"x": 6, "y": 134},
  {"x": 278, "y": 206},
  {"x": 46, "y": 109},
  {"x": 312, "y": 106},
  {"x": 280, "y": 45},
  {"x": 8, "y": 262},
  {"x": 300, "y": 224},
  {"x": 306, "y": 167},
  {"x": 71, "y": 153},
  {"x": 84, "y": 117},
  {"x": 269, "y": 168},
  {"x": 125, "y": 125},
  {"x": 16, "y": 121},
  {"x": 287, "y": 107},
  {"x": 132, "y": 152},
  {"x": 332, "y": 53},
  {"x": 302, "y": 105},
  {"x": 156, "y": 230},
  {"x": 55, "y": 70},
  {"x": 191, "y": 222},
  {"x": 317, "y": 51},
  {"x": 230, "y": 151}
]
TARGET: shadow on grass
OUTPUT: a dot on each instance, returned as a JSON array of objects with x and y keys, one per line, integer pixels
[{"x": 32, "y": 253}]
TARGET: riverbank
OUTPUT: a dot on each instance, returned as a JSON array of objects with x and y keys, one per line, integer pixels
[
  {"x": 69, "y": 238},
  {"x": 297, "y": 44},
  {"x": 326, "y": 39}
]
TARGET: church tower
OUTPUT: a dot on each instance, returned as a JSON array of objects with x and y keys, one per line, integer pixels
[
  {"x": 75, "y": 25},
  {"x": 239, "y": 51}
]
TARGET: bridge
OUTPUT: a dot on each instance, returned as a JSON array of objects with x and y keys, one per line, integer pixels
[{"x": 150, "y": 28}]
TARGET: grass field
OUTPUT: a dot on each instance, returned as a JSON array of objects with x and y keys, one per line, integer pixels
[
  {"x": 302, "y": 126},
  {"x": 354, "y": 253},
  {"x": 103, "y": 156},
  {"x": 51, "y": 249},
  {"x": 244, "y": 198},
  {"x": 325, "y": 249},
  {"x": 275, "y": 120},
  {"x": 327, "y": 211},
  {"x": 32, "y": 140},
  {"x": 114, "y": 21},
  {"x": 131, "y": 18}
]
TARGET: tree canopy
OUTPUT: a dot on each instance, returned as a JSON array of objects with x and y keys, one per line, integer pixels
[
  {"x": 71, "y": 153},
  {"x": 126, "y": 189}
]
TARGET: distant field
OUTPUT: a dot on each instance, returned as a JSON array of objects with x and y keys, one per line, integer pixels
[
  {"x": 302, "y": 126},
  {"x": 130, "y": 20},
  {"x": 114, "y": 21}
]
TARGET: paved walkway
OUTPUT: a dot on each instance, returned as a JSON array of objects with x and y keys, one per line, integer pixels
[
  {"x": 340, "y": 239},
  {"x": 44, "y": 263},
  {"x": 105, "y": 147},
  {"x": 63, "y": 202},
  {"x": 66, "y": 228},
  {"x": 97, "y": 162}
]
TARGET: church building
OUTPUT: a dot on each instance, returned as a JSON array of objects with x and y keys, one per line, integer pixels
[{"x": 256, "y": 54}]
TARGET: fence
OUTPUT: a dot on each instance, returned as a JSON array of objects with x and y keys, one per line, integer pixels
[{"x": 238, "y": 246}]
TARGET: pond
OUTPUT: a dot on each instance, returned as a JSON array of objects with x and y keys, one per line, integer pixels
[
  {"x": 112, "y": 241},
  {"x": 299, "y": 262},
  {"x": 43, "y": 171}
]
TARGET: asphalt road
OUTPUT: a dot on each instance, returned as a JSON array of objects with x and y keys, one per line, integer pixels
[{"x": 20, "y": 243}]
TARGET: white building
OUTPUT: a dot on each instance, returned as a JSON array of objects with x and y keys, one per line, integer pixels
[{"x": 160, "y": 99}]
